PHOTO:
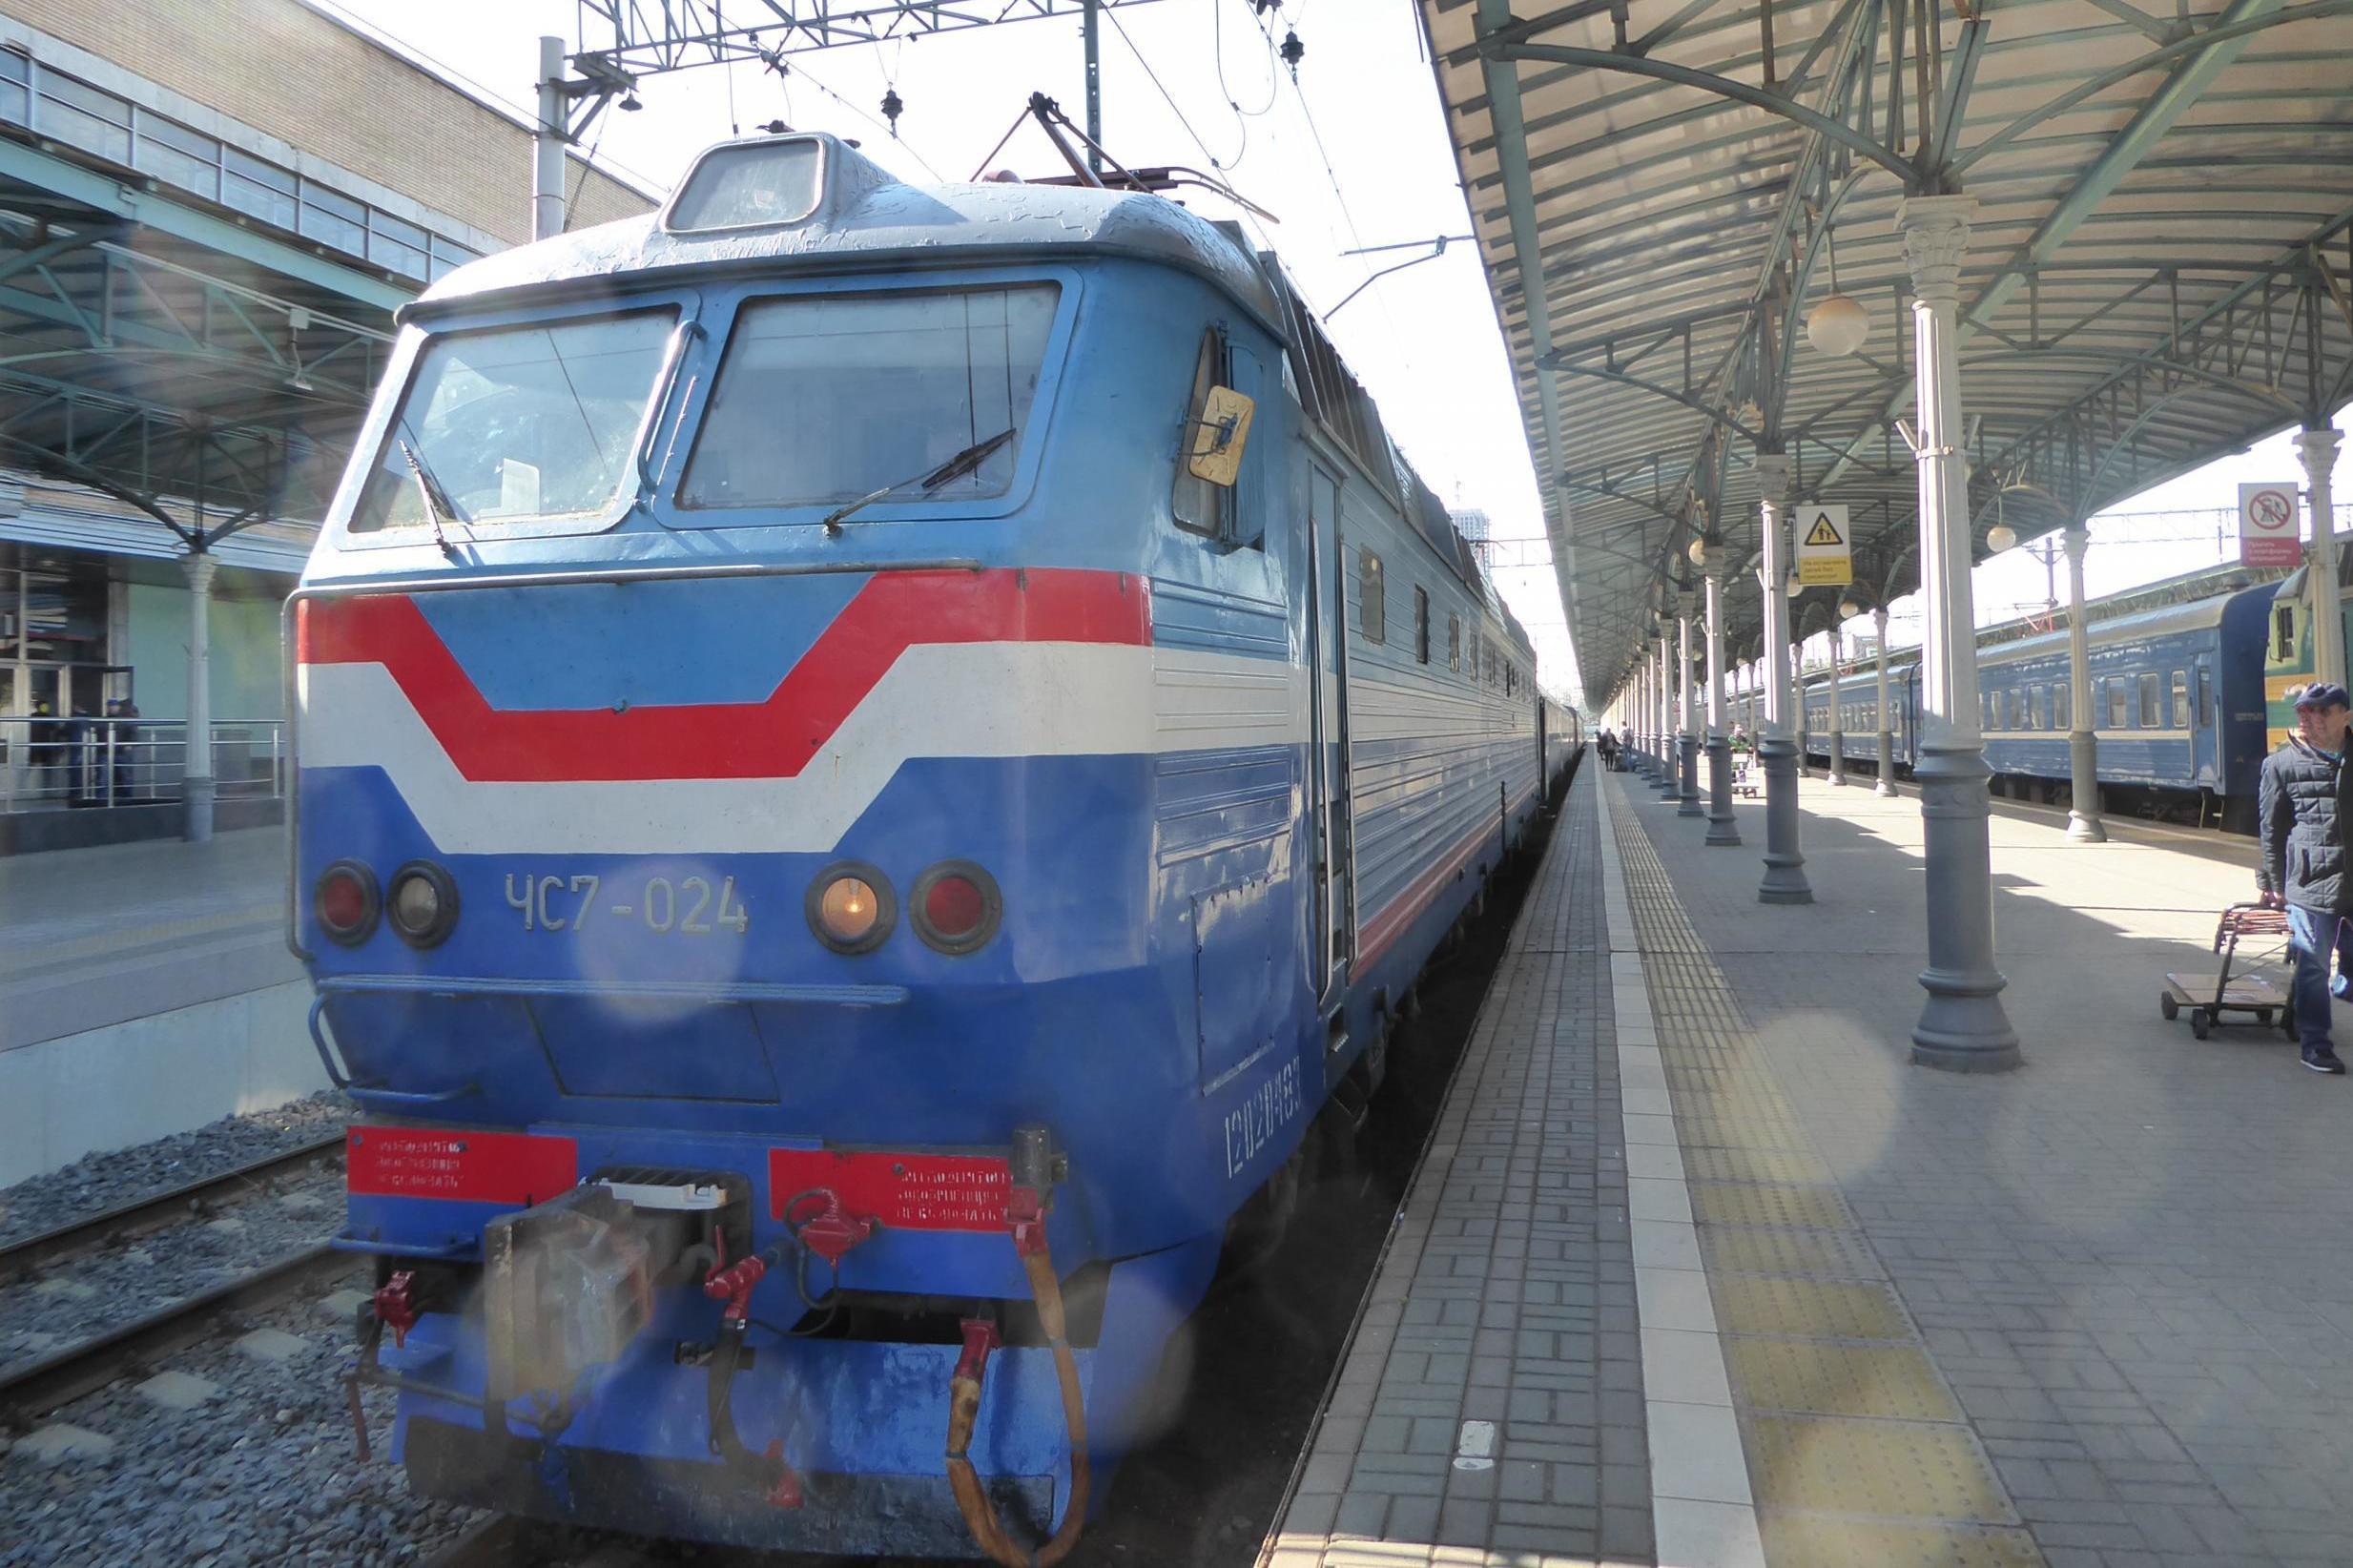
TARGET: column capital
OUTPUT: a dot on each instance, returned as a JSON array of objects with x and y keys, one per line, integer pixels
[
  {"x": 2076, "y": 538},
  {"x": 2319, "y": 445},
  {"x": 1879, "y": 621},
  {"x": 1935, "y": 232},
  {"x": 199, "y": 568},
  {"x": 1773, "y": 477}
]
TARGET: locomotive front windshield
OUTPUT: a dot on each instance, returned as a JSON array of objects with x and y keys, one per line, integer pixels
[
  {"x": 515, "y": 423},
  {"x": 826, "y": 398}
]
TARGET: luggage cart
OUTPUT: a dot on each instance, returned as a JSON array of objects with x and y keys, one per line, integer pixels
[{"x": 2208, "y": 999}]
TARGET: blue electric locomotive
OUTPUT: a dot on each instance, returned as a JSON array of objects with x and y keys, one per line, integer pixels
[
  {"x": 870, "y": 757},
  {"x": 2177, "y": 692}
]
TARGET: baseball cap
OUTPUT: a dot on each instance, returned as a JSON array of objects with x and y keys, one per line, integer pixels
[{"x": 2324, "y": 695}]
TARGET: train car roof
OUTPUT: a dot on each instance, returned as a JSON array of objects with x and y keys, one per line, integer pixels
[
  {"x": 2197, "y": 615},
  {"x": 857, "y": 210}
]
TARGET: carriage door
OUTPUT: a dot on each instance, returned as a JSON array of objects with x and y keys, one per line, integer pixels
[
  {"x": 2205, "y": 738},
  {"x": 1328, "y": 765}
]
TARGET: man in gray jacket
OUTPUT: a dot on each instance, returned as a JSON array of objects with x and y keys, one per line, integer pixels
[{"x": 2301, "y": 814}]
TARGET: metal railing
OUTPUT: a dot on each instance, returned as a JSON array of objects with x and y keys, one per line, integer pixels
[{"x": 55, "y": 764}]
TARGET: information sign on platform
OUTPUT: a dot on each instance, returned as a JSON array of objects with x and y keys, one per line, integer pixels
[
  {"x": 2268, "y": 526},
  {"x": 1825, "y": 555}
]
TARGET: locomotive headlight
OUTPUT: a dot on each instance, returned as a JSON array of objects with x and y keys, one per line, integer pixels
[
  {"x": 850, "y": 907},
  {"x": 423, "y": 905},
  {"x": 346, "y": 902},
  {"x": 956, "y": 907}
]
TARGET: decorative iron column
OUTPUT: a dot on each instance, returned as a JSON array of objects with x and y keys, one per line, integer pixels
[
  {"x": 2319, "y": 445},
  {"x": 1838, "y": 721},
  {"x": 1687, "y": 739},
  {"x": 2083, "y": 823},
  {"x": 1785, "y": 868},
  {"x": 1668, "y": 772},
  {"x": 1962, "y": 1027},
  {"x": 1721, "y": 828},
  {"x": 196, "y": 755},
  {"x": 1886, "y": 714}
]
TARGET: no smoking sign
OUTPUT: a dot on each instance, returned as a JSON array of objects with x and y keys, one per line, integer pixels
[{"x": 2268, "y": 526}]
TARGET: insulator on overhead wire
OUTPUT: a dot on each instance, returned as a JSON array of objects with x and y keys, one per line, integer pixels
[
  {"x": 1292, "y": 51},
  {"x": 892, "y": 104}
]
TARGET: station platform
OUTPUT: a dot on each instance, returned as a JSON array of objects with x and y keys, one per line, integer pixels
[
  {"x": 1700, "y": 1269},
  {"x": 145, "y": 989}
]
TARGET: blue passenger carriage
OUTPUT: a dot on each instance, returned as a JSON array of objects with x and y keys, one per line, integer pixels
[{"x": 870, "y": 758}]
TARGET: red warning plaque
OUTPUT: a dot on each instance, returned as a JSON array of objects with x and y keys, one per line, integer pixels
[
  {"x": 498, "y": 1168},
  {"x": 906, "y": 1191}
]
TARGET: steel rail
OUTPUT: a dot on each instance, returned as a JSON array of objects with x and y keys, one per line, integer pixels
[
  {"x": 154, "y": 1212},
  {"x": 35, "y": 1389}
]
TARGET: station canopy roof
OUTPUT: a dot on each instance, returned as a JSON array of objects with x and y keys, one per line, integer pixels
[{"x": 2160, "y": 270}]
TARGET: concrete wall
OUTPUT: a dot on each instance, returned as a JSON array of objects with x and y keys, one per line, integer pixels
[
  {"x": 303, "y": 77},
  {"x": 149, "y": 1078}
]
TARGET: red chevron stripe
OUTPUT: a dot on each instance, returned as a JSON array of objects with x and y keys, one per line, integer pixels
[{"x": 771, "y": 739}]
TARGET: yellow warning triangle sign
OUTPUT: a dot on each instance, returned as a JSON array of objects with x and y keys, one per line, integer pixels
[{"x": 1823, "y": 533}]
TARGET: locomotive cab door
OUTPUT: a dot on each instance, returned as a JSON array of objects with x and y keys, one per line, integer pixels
[{"x": 1327, "y": 784}]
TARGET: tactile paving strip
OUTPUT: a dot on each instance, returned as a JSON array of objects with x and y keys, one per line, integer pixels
[
  {"x": 1887, "y": 1469},
  {"x": 1891, "y": 1381},
  {"x": 1735, "y": 1203},
  {"x": 1751, "y": 1304},
  {"x": 1814, "y": 1542},
  {"x": 1858, "y": 1453}
]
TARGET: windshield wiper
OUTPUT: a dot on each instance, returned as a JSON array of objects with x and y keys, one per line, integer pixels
[
  {"x": 955, "y": 468},
  {"x": 438, "y": 507}
]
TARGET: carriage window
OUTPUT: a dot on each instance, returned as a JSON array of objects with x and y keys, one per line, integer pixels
[
  {"x": 828, "y": 398},
  {"x": 1421, "y": 626},
  {"x": 2206, "y": 696},
  {"x": 1371, "y": 599},
  {"x": 2180, "y": 717},
  {"x": 2119, "y": 709},
  {"x": 2152, "y": 713},
  {"x": 1454, "y": 641},
  {"x": 1201, "y": 506},
  {"x": 517, "y": 423},
  {"x": 2062, "y": 707},
  {"x": 2039, "y": 707}
]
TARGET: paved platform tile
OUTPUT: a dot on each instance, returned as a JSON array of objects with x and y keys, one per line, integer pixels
[
  {"x": 1816, "y": 1542},
  {"x": 1884, "y": 1469},
  {"x": 1806, "y": 1207},
  {"x": 1893, "y": 1381},
  {"x": 1755, "y": 1304},
  {"x": 1812, "y": 1254}
]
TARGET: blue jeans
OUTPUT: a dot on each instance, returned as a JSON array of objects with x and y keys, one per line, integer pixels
[{"x": 2314, "y": 935}]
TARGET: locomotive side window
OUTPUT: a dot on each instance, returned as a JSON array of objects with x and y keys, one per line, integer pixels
[
  {"x": 1373, "y": 602},
  {"x": 1201, "y": 506},
  {"x": 829, "y": 396},
  {"x": 517, "y": 423},
  {"x": 1421, "y": 626},
  {"x": 2283, "y": 633}
]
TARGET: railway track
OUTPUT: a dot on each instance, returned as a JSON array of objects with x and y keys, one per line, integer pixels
[
  {"x": 158, "y": 1211},
  {"x": 39, "y": 1386}
]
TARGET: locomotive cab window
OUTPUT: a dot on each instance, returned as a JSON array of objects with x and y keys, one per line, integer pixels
[
  {"x": 517, "y": 424},
  {"x": 2283, "y": 633},
  {"x": 1371, "y": 601},
  {"x": 1199, "y": 505},
  {"x": 828, "y": 398}
]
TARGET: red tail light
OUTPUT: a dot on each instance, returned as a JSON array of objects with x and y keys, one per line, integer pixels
[
  {"x": 346, "y": 903},
  {"x": 956, "y": 907}
]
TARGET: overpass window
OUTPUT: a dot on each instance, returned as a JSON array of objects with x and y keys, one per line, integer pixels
[
  {"x": 253, "y": 185},
  {"x": 1371, "y": 599},
  {"x": 395, "y": 244},
  {"x": 2152, "y": 709},
  {"x": 1421, "y": 626},
  {"x": 16, "y": 87},
  {"x": 334, "y": 219},
  {"x": 448, "y": 256},
  {"x": 175, "y": 153},
  {"x": 93, "y": 121}
]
